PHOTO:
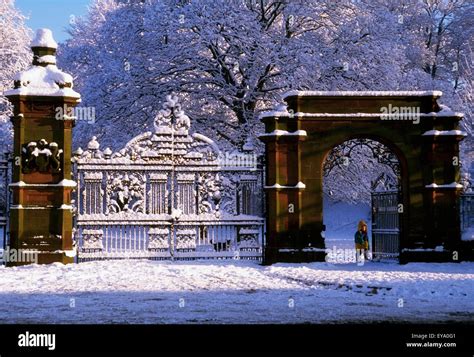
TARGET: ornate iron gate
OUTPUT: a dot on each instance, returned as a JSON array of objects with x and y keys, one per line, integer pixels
[
  {"x": 385, "y": 225},
  {"x": 466, "y": 212},
  {"x": 168, "y": 194}
]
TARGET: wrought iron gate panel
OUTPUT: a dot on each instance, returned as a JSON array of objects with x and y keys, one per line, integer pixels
[
  {"x": 168, "y": 194},
  {"x": 385, "y": 225},
  {"x": 467, "y": 210},
  {"x": 466, "y": 213}
]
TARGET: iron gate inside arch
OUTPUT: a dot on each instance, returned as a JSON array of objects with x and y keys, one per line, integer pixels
[{"x": 386, "y": 229}]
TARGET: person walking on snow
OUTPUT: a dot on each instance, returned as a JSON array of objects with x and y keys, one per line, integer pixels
[{"x": 361, "y": 241}]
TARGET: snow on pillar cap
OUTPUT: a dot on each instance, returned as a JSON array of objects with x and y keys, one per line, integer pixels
[
  {"x": 43, "y": 78},
  {"x": 44, "y": 38}
]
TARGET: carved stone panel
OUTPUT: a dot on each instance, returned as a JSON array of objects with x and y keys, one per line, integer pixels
[{"x": 41, "y": 156}]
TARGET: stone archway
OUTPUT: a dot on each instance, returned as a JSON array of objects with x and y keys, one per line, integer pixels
[{"x": 423, "y": 134}]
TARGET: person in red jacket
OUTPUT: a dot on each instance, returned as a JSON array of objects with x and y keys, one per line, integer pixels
[{"x": 361, "y": 239}]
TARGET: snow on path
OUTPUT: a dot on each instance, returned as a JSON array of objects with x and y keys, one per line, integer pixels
[{"x": 141, "y": 291}]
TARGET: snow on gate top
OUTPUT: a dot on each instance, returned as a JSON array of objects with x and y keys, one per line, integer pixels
[
  {"x": 171, "y": 143},
  {"x": 142, "y": 178}
]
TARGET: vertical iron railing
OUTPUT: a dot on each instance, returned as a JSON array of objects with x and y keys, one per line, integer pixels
[
  {"x": 150, "y": 233},
  {"x": 385, "y": 224},
  {"x": 466, "y": 211}
]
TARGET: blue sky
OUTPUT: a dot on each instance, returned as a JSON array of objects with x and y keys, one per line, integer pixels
[{"x": 52, "y": 14}]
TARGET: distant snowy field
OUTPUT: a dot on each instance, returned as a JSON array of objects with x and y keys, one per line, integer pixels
[
  {"x": 341, "y": 221},
  {"x": 235, "y": 292}
]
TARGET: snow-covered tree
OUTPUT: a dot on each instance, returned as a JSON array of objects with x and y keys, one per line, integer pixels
[
  {"x": 97, "y": 62},
  {"x": 357, "y": 167},
  {"x": 229, "y": 59},
  {"x": 225, "y": 58},
  {"x": 15, "y": 55},
  {"x": 449, "y": 39},
  {"x": 465, "y": 96}
]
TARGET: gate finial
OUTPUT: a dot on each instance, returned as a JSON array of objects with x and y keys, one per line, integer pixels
[{"x": 171, "y": 118}]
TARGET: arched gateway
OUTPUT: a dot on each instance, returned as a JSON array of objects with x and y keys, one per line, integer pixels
[{"x": 424, "y": 136}]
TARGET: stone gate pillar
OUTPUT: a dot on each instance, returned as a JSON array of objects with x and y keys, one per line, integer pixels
[
  {"x": 442, "y": 188},
  {"x": 41, "y": 212},
  {"x": 291, "y": 238}
]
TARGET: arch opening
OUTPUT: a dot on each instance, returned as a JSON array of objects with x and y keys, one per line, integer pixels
[{"x": 362, "y": 180}]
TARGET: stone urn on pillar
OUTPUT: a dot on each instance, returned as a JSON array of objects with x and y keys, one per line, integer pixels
[{"x": 43, "y": 116}]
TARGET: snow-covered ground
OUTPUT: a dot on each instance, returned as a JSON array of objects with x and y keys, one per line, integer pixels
[
  {"x": 141, "y": 291},
  {"x": 468, "y": 234},
  {"x": 135, "y": 291}
]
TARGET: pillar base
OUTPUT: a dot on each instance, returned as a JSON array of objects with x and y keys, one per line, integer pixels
[
  {"x": 427, "y": 257},
  {"x": 467, "y": 251},
  {"x": 292, "y": 255},
  {"x": 35, "y": 257}
]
